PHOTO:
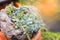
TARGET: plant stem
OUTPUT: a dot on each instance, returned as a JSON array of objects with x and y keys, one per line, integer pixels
[{"x": 25, "y": 33}]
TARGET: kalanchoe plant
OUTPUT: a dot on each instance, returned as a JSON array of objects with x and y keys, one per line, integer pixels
[{"x": 25, "y": 18}]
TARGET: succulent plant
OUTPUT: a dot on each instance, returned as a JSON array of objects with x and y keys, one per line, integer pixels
[{"x": 26, "y": 19}]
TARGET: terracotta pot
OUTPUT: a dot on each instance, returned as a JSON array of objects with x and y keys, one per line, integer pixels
[
  {"x": 3, "y": 37},
  {"x": 37, "y": 36}
]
